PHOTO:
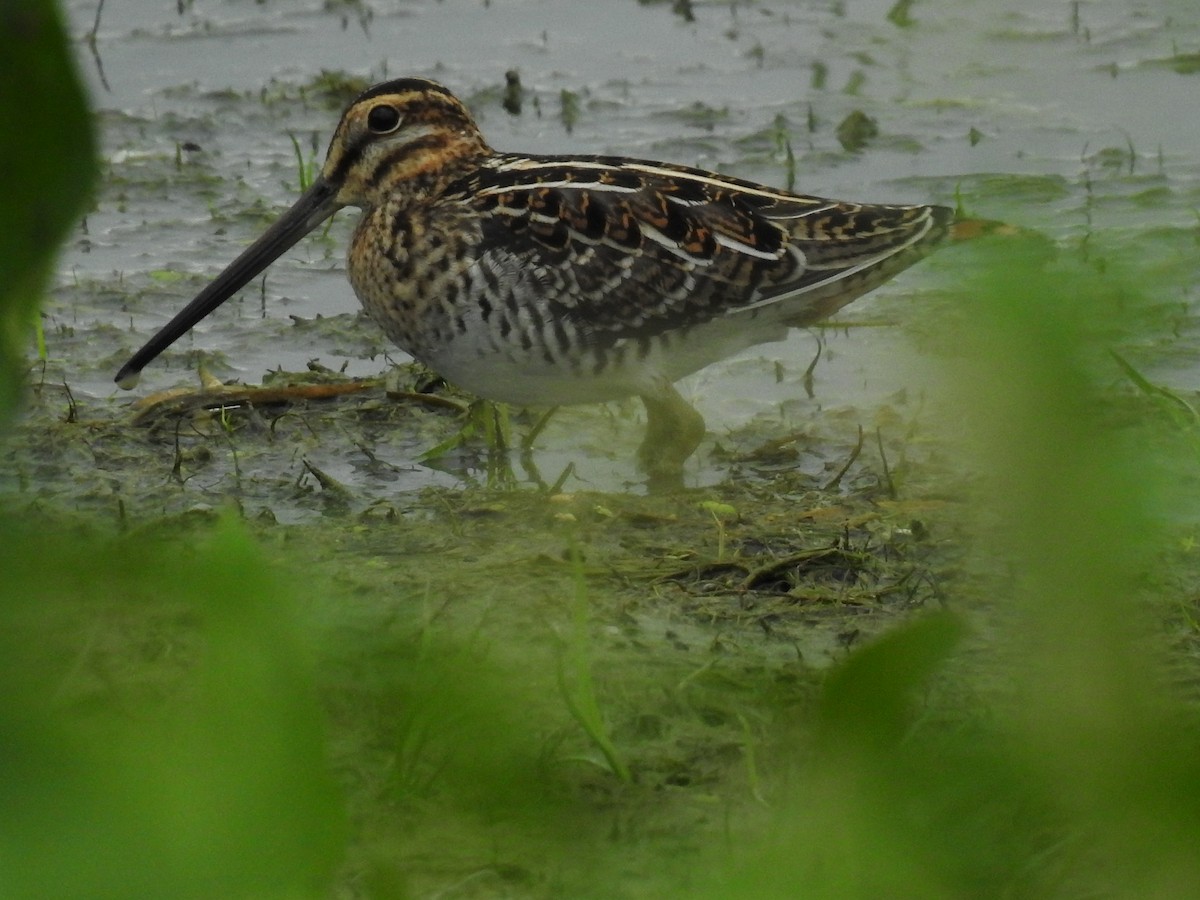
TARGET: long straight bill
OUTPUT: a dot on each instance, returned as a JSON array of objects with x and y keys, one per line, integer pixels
[{"x": 315, "y": 205}]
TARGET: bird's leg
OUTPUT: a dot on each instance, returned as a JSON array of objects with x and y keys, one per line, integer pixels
[{"x": 673, "y": 431}]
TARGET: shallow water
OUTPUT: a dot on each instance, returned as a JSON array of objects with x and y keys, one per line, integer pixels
[{"x": 1069, "y": 120}]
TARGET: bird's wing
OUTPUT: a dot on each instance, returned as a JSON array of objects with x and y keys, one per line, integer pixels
[{"x": 636, "y": 248}]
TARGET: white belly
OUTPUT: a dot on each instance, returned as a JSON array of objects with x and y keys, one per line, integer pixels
[{"x": 478, "y": 363}]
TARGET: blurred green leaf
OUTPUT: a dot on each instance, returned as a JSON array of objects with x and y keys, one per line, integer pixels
[
  {"x": 47, "y": 155},
  {"x": 161, "y": 735},
  {"x": 867, "y": 702},
  {"x": 1082, "y": 511}
]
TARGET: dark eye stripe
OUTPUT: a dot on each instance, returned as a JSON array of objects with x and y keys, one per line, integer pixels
[{"x": 350, "y": 159}]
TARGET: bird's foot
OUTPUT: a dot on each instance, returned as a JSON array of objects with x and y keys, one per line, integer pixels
[{"x": 673, "y": 432}]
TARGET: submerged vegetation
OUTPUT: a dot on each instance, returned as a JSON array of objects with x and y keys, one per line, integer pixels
[{"x": 846, "y": 669}]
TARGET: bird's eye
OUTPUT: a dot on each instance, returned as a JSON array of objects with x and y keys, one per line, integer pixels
[{"x": 383, "y": 119}]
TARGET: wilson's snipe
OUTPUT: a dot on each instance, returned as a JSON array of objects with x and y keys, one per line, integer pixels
[{"x": 543, "y": 280}]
